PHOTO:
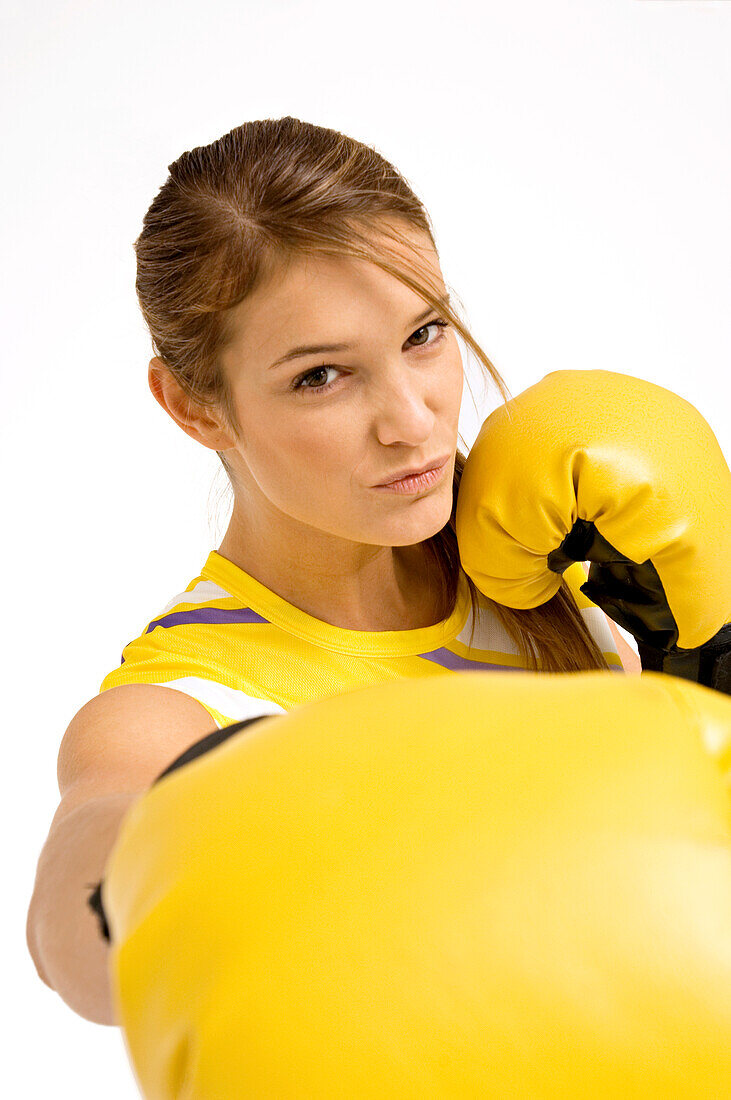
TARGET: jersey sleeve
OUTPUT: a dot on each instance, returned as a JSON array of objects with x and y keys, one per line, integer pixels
[{"x": 178, "y": 659}]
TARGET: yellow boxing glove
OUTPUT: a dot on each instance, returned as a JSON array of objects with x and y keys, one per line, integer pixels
[
  {"x": 606, "y": 468},
  {"x": 462, "y": 887}
]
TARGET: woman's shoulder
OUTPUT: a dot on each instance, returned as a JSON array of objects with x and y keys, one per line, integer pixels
[{"x": 196, "y": 644}]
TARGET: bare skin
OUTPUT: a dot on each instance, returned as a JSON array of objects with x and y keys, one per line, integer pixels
[{"x": 307, "y": 522}]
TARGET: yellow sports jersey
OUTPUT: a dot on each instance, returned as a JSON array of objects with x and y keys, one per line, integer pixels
[{"x": 242, "y": 651}]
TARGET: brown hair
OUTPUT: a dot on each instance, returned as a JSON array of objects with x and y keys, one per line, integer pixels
[{"x": 230, "y": 214}]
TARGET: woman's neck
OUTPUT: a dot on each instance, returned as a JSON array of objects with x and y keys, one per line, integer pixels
[{"x": 400, "y": 592}]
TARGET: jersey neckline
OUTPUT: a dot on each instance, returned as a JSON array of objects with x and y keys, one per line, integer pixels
[{"x": 387, "y": 643}]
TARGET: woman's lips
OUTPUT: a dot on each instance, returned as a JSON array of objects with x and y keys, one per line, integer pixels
[{"x": 417, "y": 483}]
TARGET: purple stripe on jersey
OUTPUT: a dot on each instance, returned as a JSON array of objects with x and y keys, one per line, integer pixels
[
  {"x": 209, "y": 615},
  {"x": 206, "y": 615},
  {"x": 447, "y": 659}
]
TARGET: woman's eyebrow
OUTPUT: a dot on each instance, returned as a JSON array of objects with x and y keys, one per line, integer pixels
[{"x": 317, "y": 349}]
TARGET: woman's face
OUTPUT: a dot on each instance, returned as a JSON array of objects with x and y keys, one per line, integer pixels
[{"x": 321, "y": 430}]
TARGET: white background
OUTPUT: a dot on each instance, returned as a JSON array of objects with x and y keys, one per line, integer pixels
[{"x": 574, "y": 156}]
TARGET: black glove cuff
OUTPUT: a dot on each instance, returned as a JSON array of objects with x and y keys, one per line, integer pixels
[
  {"x": 632, "y": 594},
  {"x": 709, "y": 664}
]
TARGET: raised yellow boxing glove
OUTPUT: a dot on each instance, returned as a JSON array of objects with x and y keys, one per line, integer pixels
[
  {"x": 470, "y": 886},
  {"x": 607, "y": 468}
]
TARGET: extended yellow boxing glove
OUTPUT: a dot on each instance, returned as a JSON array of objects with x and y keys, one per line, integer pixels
[
  {"x": 466, "y": 886},
  {"x": 611, "y": 469}
]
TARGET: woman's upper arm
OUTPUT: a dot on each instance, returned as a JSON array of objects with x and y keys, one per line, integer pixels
[
  {"x": 630, "y": 660},
  {"x": 122, "y": 739},
  {"x": 627, "y": 655}
]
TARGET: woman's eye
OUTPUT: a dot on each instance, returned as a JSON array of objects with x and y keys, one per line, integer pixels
[{"x": 298, "y": 384}]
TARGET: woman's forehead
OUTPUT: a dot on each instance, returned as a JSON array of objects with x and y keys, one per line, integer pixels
[{"x": 319, "y": 301}]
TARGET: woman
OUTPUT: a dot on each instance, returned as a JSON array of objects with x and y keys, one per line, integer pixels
[
  {"x": 277, "y": 237},
  {"x": 282, "y": 236}
]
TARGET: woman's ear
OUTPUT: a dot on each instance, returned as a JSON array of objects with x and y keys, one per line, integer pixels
[{"x": 197, "y": 422}]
